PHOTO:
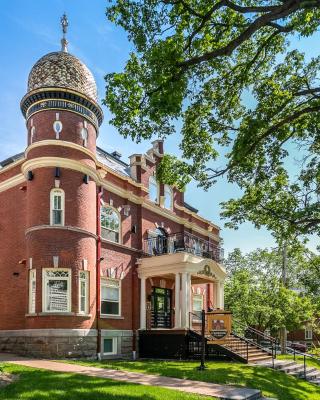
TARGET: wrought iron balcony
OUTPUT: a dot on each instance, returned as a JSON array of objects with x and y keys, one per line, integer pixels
[{"x": 182, "y": 242}]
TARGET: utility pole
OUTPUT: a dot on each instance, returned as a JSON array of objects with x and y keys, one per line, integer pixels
[{"x": 283, "y": 331}]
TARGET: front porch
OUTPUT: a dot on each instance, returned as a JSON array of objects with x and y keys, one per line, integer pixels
[{"x": 168, "y": 287}]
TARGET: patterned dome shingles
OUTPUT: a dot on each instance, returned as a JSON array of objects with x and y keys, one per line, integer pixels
[{"x": 60, "y": 69}]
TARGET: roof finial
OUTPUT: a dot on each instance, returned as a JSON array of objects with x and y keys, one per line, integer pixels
[{"x": 64, "y": 23}]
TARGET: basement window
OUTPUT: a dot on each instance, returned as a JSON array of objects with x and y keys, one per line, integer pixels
[{"x": 110, "y": 346}]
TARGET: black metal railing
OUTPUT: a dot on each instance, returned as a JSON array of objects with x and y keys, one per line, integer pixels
[{"x": 182, "y": 242}]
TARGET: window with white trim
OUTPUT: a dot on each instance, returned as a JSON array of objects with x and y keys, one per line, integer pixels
[
  {"x": 110, "y": 345},
  {"x": 32, "y": 291},
  {"x": 308, "y": 333},
  {"x": 110, "y": 296},
  {"x": 57, "y": 205},
  {"x": 83, "y": 292},
  {"x": 197, "y": 302},
  {"x": 56, "y": 290},
  {"x": 84, "y": 136},
  {"x": 110, "y": 224},
  {"x": 168, "y": 197},
  {"x": 153, "y": 189}
]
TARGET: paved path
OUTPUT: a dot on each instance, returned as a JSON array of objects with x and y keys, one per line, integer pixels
[{"x": 195, "y": 387}]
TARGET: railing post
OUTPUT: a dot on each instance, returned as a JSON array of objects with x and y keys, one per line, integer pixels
[
  {"x": 294, "y": 354},
  {"x": 203, "y": 340},
  {"x": 273, "y": 350},
  {"x": 304, "y": 367},
  {"x": 247, "y": 352}
]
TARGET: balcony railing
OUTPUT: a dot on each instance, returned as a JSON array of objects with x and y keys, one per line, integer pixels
[{"x": 182, "y": 242}]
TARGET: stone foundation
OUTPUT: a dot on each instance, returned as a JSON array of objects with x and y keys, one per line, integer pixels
[{"x": 63, "y": 343}]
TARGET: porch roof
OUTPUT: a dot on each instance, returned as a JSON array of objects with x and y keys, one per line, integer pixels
[{"x": 203, "y": 268}]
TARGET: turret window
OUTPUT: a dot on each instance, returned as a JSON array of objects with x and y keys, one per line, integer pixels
[
  {"x": 57, "y": 290},
  {"x": 83, "y": 292},
  {"x": 153, "y": 189},
  {"x": 32, "y": 291},
  {"x": 57, "y": 207},
  {"x": 84, "y": 136},
  {"x": 110, "y": 224},
  {"x": 57, "y": 127}
]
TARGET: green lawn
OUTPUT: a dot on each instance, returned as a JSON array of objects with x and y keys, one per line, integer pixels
[
  {"x": 36, "y": 384},
  {"x": 299, "y": 359},
  {"x": 271, "y": 383}
]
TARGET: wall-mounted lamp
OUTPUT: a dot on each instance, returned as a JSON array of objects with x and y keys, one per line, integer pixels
[{"x": 30, "y": 175}]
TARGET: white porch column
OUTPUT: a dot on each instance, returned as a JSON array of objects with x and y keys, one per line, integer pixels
[
  {"x": 222, "y": 295},
  {"x": 218, "y": 295},
  {"x": 177, "y": 315},
  {"x": 185, "y": 299},
  {"x": 143, "y": 313}
]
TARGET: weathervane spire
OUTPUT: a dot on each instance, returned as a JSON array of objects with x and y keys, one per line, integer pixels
[{"x": 64, "y": 24}]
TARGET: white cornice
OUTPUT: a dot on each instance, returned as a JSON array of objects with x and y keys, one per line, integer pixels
[
  {"x": 64, "y": 228},
  {"x": 11, "y": 182}
]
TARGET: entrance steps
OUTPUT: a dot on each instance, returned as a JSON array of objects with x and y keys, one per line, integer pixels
[
  {"x": 296, "y": 369},
  {"x": 245, "y": 351}
]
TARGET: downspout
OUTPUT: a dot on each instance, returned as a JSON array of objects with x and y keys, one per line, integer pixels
[{"x": 98, "y": 273}]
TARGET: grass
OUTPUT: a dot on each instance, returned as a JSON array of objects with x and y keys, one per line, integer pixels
[
  {"x": 271, "y": 383},
  {"x": 299, "y": 359},
  {"x": 37, "y": 384}
]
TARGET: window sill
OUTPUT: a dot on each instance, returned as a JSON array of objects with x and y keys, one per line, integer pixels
[
  {"x": 83, "y": 315},
  {"x": 107, "y": 316},
  {"x": 56, "y": 313}
]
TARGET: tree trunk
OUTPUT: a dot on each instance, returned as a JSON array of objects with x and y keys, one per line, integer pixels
[{"x": 283, "y": 331}]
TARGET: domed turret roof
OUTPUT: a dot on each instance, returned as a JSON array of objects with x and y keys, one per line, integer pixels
[{"x": 63, "y": 70}]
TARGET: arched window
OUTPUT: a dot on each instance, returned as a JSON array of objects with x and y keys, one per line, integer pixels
[
  {"x": 110, "y": 224},
  {"x": 57, "y": 207},
  {"x": 168, "y": 197},
  {"x": 153, "y": 189}
]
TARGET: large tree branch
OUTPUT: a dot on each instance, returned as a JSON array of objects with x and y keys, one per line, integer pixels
[{"x": 282, "y": 11}]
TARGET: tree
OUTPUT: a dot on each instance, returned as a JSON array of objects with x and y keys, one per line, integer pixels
[
  {"x": 256, "y": 295},
  {"x": 195, "y": 61}
]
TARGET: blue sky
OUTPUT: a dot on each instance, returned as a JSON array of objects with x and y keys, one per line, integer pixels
[{"x": 30, "y": 29}]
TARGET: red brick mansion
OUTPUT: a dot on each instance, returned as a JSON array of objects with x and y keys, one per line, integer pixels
[{"x": 96, "y": 257}]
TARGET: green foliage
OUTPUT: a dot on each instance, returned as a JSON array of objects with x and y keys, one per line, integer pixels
[
  {"x": 249, "y": 104},
  {"x": 256, "y": 295},
  {"x": 272, "y": 383}
]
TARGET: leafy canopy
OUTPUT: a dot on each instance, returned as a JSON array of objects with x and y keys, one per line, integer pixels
[
  {"x": 255, "y": 294},
  {"x": 246, "y": 100}
]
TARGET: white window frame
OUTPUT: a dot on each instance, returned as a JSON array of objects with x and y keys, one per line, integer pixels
[
  {"x": 84, "y": 278},
  {"x": 153, "y": 182},
  {"x": 32, "y": 293},
  {"x": 308, "y": 333},
  {"x": 45, "y": 280},
  {"x": 84, "y": 136},
  {"x": 167, "y": 189},
  {"x": 54, "y": 192},
  {"x": 103, "y": 208},
  {"x": 114, "y": 345},
  {"x": 104, "y": 282}
]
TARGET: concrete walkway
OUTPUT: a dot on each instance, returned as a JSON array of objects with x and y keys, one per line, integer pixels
[{"x": 195, "y": 387}]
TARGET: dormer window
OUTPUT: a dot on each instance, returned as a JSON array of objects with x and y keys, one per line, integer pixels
[
  {"x": 168, "y": 197},
  {"x": 153, "y": 189},
  {"x": 57, "y": 207}
]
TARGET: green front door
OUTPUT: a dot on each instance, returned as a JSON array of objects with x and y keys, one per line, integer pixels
[{"x": 161, "y": 308}]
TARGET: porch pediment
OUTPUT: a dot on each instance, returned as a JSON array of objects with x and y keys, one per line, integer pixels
[{"x": 181, "y": 262}]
